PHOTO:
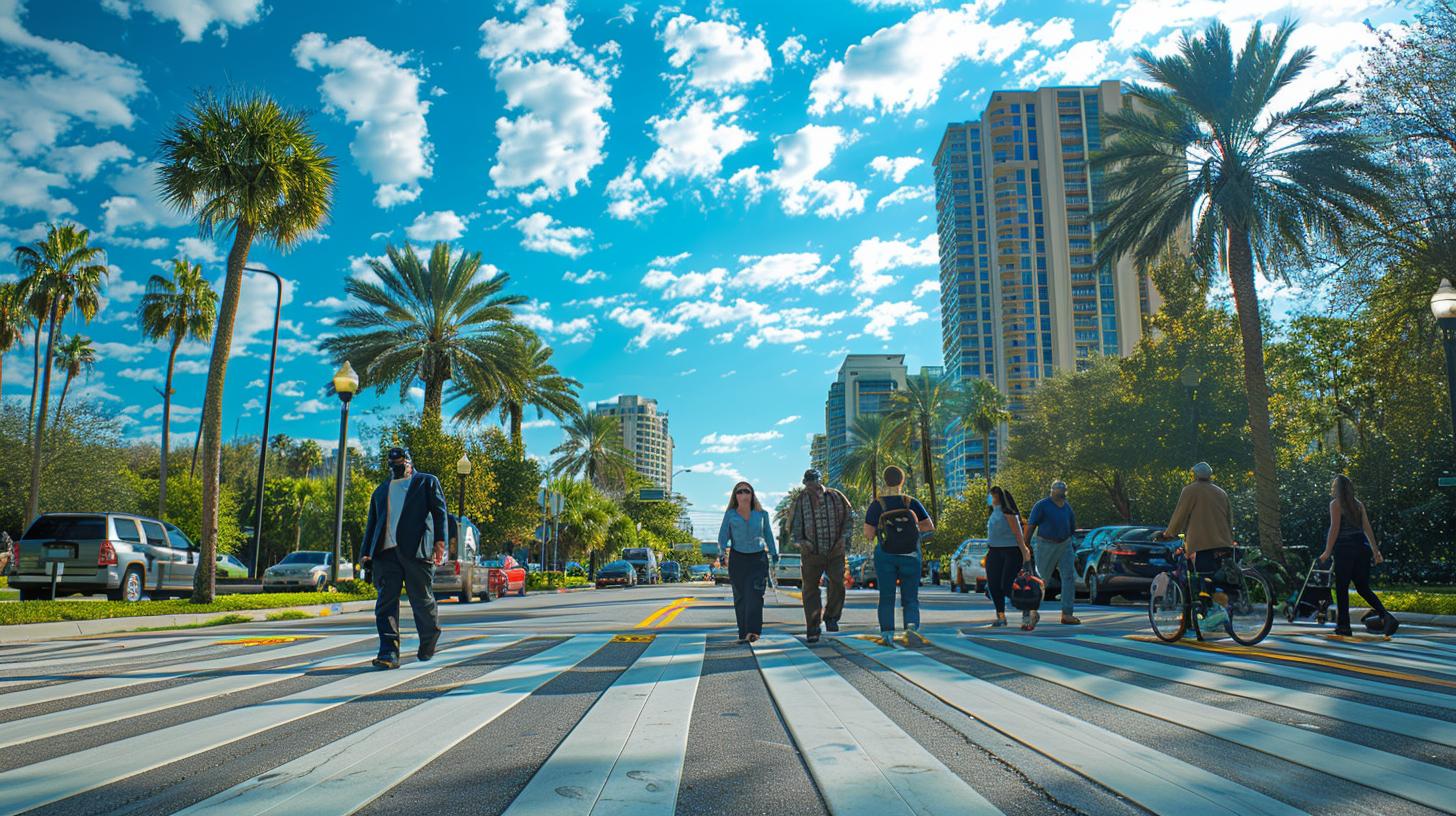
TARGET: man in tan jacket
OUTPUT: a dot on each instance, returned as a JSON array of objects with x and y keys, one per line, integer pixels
[
  {"x": 1205, "y": 518},
  {"x": 821, "y": 523}
]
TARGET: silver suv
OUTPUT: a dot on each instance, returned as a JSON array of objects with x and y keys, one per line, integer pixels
[{"x": 127, "y": 557}]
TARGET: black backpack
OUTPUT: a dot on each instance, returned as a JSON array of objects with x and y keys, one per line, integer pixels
[{"x": 899, "y": 530}]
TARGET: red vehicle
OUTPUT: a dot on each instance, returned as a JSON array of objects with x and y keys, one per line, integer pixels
[{"x": 507, "y": 576}]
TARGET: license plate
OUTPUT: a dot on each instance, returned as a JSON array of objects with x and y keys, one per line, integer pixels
[{"x": 59, "y": 552}]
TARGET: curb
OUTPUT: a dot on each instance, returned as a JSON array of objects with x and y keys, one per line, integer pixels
[{"x": 24, "y": 632}]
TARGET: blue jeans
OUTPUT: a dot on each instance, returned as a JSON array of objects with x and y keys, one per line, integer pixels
[
  {"x": 1051, "y": 555},
  {"x": 907, "y": 569}
]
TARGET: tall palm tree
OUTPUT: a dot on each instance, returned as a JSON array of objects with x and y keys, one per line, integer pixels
[
  {"x": 428, "y": 321},
  {"x": 174, "y": 309},
  {"x": 62, "y": 273},
  {"x": 593, "y": 449},
  {"x": 74, "y": 356},
  {"x": 918, "y": 410},
  {"x": 875, "y": 442},
  {"x": 244, "y": 165},
  {"x": 15, "y": 318},
  {"x": 532, "y": 381},
  {"x": 981, "y": 408},
  {"x": 1203, "y": 147}
]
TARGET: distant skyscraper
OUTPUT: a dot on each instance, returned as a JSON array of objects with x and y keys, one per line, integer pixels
[
  {"x": 819, "y": 453},
  {"x": 644, "y": 434},
  {"x": 865, "y": 385},
  {"x": 1021, "y": 293}
]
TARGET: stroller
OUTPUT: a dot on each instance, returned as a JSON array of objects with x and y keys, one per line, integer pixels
[{"x": 1315, "y": 596}]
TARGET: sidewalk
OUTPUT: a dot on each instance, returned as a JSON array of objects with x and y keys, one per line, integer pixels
[{"x": 25, "y": 632}]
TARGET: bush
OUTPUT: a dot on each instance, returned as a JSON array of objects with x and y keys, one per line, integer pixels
[
  {"x": 1428, "y": 603},
  {"x": 51, "y": 611},
  {"x": 356, "y": 586},
  {"x": 554, "y": 580},
  {"x": 289, "y": 614}
]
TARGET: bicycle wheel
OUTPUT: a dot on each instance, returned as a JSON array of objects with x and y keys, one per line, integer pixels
[
  {"x": 1251, "y": 608},
  {"x": 1167, "y": 603}
]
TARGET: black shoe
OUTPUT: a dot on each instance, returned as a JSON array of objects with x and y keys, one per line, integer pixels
[
  {"x": 1391, "y": 624},
  {"x": 427, "y": 647},
  {"x": 383, "y": 662},
  {"x": 1344, "y": 631},
  {"x": 832, "y": 625},
  {"x": 812, "y": 636},
  {"x": 742, "y": 639}
]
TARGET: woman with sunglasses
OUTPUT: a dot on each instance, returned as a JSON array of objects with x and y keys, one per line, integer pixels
[{"x": 747, "y": 544}]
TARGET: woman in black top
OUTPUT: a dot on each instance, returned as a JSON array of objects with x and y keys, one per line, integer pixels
[{"x": 1352, "y": 544}]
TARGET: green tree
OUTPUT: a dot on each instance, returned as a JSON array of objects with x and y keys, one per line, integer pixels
[
  {"x": 304, "y": 458},
  {"x": 62, "y": 272},
  {"x": 917, "y": 410},
  {"x": 244, "y": 165},
  {"x": 587, "y": 517},
  {"x": 874, "y": 444},
  {"x": 532, "y": 381},
  {"x": 431, "y": 322},
  {"x": 593, "y": 449},
  {"x": 513, "y": 514},
  {"x": 1259, "y": 187},
  {"x": 185, "y": 509},
  {"x": 981, "y": 408},
  {"x": 175, "y": 309},
  {"x": 75, "y": 355},
  {"x": 85, "y": 467},
  {"x": 15, "y": 317}
]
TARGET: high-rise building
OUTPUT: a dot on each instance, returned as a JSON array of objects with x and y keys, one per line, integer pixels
[
  {"x": 645, "y": 436},
  {"x": 819, "y": 453},
  {"x": 1022, "y": 295},
  {"x": 865, "y": 386}
]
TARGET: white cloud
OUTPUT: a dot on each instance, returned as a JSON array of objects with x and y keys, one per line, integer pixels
[
  {"x": 534, "y": 315},
  {"x": 375, "y": 89},
  {"x": 884, "y": 4},
  {"x": 583, "y": 278},
  {"x": 886, "y": 316},
  {"x": 733, "y": 443},
  {"x": 925, "y": 287},
  {"x": 147, "y": 375},
  {"x": 629, "y": 198},
  {"x": 675, "y": 352},
  {"x": 694, "y": 143},
  {"x": 289, "y": 388},
  {"x": 724, "y": 470},
  {"x": 180, "y": 413},
  {"x": 907, "y": 194},
  {"x": 687, "y": 372},
  {"x": 30, "y": 188},
  {"x": 199, "y": 249},
  {"x": 119, "y": 289},
  {"x": 802, "y": 155},
  {"x": 648, "y": 325},
  {"x": 781, "y": 335},
  {"x": 669, "y": 261},
  {"x": 686, "y": 285},
  {"x": 895, "y": 169},
  {"x": 121, "y": 352},
  {"x": 538, "y": 423},
  {"x": 542, "y": 233},
  {"x": 543, "y": 29},
  {"x": 194, "y": 17},
  {"x": 873, "y": 257},
  {"x": 1053, "y": 32},
  {"x": 788, "y": 419},
  {"x": 719, "y": 56},
  {"x": 1083, "y": 62},
  {"x": 443, "y": 225},
  {"x": 83, "y": 162},
  {"x": 137, "y": 203},
  {"x": 900, "y": 68},
  {"x": 780, "y": 270}
]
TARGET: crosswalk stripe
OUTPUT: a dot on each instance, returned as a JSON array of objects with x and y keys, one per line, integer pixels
[
  {"x": 109, "y": 683},
  {"x": 1419, "y": 782},
  {"x": 1231, "y": 660},
  {"x": 1447, "y": 649},
  {"x": 54, "y": 647},
  {"x": 41, "y": 783},
  {"x": 1401, "y": 647},
  {"x": 865, "y": 764},
  {"x": 329, "y": 780},
  {"x": 1384, "y": 719},
  {"x": 1359, "y": 654},
  {"x": 626, "y": 754},
  {"x": 1148, "y": 777},
  {"x": 124, "y": 653}
]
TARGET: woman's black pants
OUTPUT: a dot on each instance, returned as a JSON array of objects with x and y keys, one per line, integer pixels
[
  {"x": 748, "y": 575},
  {"x": 1003, "y": 564},
  {"x": 1352, "y": 565}
]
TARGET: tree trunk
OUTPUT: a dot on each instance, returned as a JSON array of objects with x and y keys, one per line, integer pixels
[
  {"x": 927, "y": 464},
  {"x": 2, "y": 378},
  {"x": 986, "y": 457},
  {"x": 35, "y": 377},
  {"x": 167, "y": 426},
  {"x": 61, "y": 403},
  {"x": 204, "y": 585},
  {"x": 1251, "y": 332},
  {"x": 516, "y": 442},
  {"x": 32, "y": 503},
  {"x": 434, "y": 398}
]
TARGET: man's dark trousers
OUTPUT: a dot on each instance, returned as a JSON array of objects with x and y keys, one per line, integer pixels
[
  {"x": 391, "y": 573},
  {"x": 831, "y": 567}
]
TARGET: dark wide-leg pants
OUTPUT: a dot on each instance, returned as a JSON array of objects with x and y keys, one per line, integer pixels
[
  {"x": 748, "y": 575},
  {"x": 391, "y": 574}
]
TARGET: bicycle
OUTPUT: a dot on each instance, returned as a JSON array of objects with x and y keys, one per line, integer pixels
[{"x": 1243, "y": 593}]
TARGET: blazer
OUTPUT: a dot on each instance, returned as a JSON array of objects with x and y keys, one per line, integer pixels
[{"x": 423, "y": 514}]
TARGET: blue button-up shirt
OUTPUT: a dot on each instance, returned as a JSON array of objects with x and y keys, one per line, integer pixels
[{"x": 751, "y": 535}]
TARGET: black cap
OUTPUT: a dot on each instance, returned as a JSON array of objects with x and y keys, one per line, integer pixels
[
  {"x": 812, "y": 475},
  {"x": 400, "y": 453}
]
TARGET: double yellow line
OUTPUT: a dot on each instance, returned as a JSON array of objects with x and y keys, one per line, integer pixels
[{"x": 665, "y": 615}]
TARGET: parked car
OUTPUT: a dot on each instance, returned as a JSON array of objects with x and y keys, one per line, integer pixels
[
  {"x": 617, "y": 573},
  {"x": 504, "y": 576},
  {"x": 229, "y": 566},
  {"x": 863, "y": 573},
  {"x": 575, "y": 568},
  {"x": 968, "y": 566},
  {"x": 790, "y": 569},
  {"x": 460, "y": 575},
  {"x": 700, "y": 572},
  {"x": 304, "y": 569},
  {"x": 127, "y": 557},
  {"x": 645, "y": 562},
  {"x": 720, "y": 573},
  {"x": 671, "y": 572},
  {"x": 532, "y": 566},
  {"x": 1120, "y": 560}
]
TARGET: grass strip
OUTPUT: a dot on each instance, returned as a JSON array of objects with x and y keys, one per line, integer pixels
[
  {"x": 225, "y": 620},
  {"x": 52, "y": 611}
]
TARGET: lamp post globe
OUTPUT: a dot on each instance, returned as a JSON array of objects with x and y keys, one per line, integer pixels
[
  {"x": 462, "y": 469},
  {"x": 1443, "y": 307},
  {"x": 346, "y": 384}
]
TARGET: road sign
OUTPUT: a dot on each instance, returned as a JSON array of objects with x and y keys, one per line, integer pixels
[
  {"x": 558, "y": 502},
  {"x": 651, "y": 494},
  {"x": 1446, "y": 481}
]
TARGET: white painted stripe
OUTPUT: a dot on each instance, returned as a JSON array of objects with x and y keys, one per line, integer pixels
[
  {"x": 124, "y": 653},
  {"x": 348, "y": 774},
  {"x": 1444, "y": 647},
  {"x": 1148, "y": 777},
  {"x": 44, "y": 782},
  {"x": 1405, "y": 648},
  {"x": 247, "y": 656},
  {"x": 53, "y": 647},
  {"x": 626, "y": 754},
  {"x": 1384, "y": 719},
  {"x": 1410, "y": 779},
  {"x": 1322, "y": 647},
  {"x": 1324, "y": 678},
  {"x": 864, "y": 765}
]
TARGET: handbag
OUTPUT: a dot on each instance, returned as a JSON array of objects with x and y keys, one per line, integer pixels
[{"x": 1027, "y": 590}]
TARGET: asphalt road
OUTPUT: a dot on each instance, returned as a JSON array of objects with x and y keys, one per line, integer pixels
[{"x": 639, "y": 701}]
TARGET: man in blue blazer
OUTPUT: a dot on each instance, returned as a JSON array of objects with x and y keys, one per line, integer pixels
[{"x": 404, "y": 540}]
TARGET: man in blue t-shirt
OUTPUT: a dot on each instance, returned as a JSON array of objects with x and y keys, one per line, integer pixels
[{"x": 1050, "y": 529}]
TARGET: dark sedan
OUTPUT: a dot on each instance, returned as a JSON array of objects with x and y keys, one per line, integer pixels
[
  {"x": 671, "y": 571},
  {"x": 1121, "y": 560},
  {"x": 617, "y": 573}
]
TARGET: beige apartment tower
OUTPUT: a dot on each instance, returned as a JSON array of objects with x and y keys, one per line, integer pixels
[{"x": 645, "y": 436}]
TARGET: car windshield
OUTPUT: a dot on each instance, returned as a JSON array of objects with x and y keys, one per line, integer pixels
[
  {"x": 617, "y": 565},
  {"x": 74, "y": 528},
  {"x": 493, "y": 562},
  {"x": 635, "y": 553},
  {"x": 306, "y": 558}
]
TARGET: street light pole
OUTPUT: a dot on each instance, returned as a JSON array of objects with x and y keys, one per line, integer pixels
[
  {"x": 1443, "y": 306},
  {"x": 267, "y": 412},
  {"x": 1190, "y": 377},
  {"x": 463, "y": 469},
  {"x": 346, "y": 382}
]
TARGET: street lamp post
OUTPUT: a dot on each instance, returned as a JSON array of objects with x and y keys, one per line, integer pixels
[
  {"x": 1190, "y": 377},
  {"x": 267, "y": 412},
  {"x": 346, "y": 382},
  {"x": 1443, "y": 306},
  {"x": 462, "y": 469}
]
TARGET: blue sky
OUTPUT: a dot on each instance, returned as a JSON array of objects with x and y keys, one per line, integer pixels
[{"x": 709, "y": 204}]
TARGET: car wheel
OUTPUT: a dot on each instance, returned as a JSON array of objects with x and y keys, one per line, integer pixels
[
  {"x": 132, "y": 588},
  {"x": 485, "y": 594},
  {"x": 464, "y": 597},
  {"x": 521, "y": 593},
  {"x": 38, "y": 594},
  {"x": 1095, "y": 593}
]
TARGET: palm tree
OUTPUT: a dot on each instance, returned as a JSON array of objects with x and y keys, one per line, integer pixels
[
  {"x": 916, "y": 410},
  {"x": 593, "y": 449},
  {"x": 15, "y": 318},
  {"x": 435, "y": 321},
  {"x": 1203, "y": 148},
  {"x": 875, "y": 442},
  {"x": 74, "y": 356},
  {"x": 62, "y": 272},
  {"x": 532, "y": 382},
  {"x": 305, "y": 457},
  {"x": 240, "y": 164},
  {"x": 981, "y": 407},
  {"x": 176, "y": 308}
]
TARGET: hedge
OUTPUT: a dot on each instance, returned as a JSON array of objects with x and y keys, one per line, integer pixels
[
  {"x": 1430, "y": 603},
  {"x": 51, "y": 611},
  {"x": 553, "y": 580}
]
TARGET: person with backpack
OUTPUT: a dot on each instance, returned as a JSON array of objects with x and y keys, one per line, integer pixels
[
  {"x": 1351, "y": 542},
  {"x": 1006, "y": 552},
  {"x": 820, "y": 522},
  {"x": 894, "y": 524}
]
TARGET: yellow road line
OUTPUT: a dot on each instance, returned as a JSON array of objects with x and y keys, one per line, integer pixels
[
  {"x": 669, "y": 616},
  {"x": 792, "y": 594},
  {"x": 651, "y": 620},
  {"x": 1319, "y": 661}
]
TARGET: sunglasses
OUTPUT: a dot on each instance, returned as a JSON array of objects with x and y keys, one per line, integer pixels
[{"x": 743, "y": 492}]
